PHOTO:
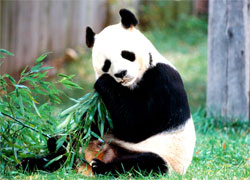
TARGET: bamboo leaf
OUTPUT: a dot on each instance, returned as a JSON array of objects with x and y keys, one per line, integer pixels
[
  {"x": 15, "y": 154},
  {"x": 60, "y": 142},
  {"x": 84, "y": 97},
  {"x": 31, "y": 98},
  {"x": 72, "y": 160},
  {"x": 62, "y": 75},
  {"x": 42, "y": 57},
  {"x": 108, "y": 119},
  {"x": 100, "y": 119},
  {"x": 53, "y": 160},
  {"x": 102, "y": 128},
  {"x": 74, "y": 100},
  {"x": 66, "y": 76},
  {"x": 41, "y": 69},
  {"x": 69, "y": 84},
  {"x": 12, "y": 80},
  {"x": 20, "y": 99},
  {"x": 4, "y": 51},
  {"x": 23, "y": 71},
  {"x": 95, "y": 135},
  {"x": 34, "y": 105},
  {"x": 70, "y": 109},
  {"x": 65, "y": 122},
  {"x": 22, "y": 87},
  {"x": 44, "y": 68},
  {"x": 33, "y": 137}
]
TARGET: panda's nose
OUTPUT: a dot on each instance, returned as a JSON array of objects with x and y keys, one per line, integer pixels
[{"x": 121, "y": 74}]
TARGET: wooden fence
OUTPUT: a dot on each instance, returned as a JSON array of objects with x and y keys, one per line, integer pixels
[
  {"x": 228, "y": 88},
  {"x": 29, "y": 28}
]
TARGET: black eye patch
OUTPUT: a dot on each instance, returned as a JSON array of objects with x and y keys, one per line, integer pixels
[
  {"x": 106, "y": 65},
  {"x": 128, "y": 55}
]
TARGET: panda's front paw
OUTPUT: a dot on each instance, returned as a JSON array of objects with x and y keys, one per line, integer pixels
[
  {"x": 104, "y": 82},
  {"x": 98, "y": 167}
]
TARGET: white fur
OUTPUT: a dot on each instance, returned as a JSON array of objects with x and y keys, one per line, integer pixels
[
  {"x": 109, "y": 44},
  {"x": 175, "y": 147}
]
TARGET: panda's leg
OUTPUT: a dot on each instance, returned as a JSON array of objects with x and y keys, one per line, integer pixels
[
  {"x": 38, "y": 163},
  {"x": 145, "y": 162}
]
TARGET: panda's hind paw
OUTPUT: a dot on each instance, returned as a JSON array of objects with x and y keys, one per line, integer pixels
[
  {"x": 27, "y": 164},
  {"x": 98, "y": 167}
]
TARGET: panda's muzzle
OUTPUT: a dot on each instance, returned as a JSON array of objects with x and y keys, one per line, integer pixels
[
  {"x": 122, "y": 81},
  {"x": 121, "y": 74}
]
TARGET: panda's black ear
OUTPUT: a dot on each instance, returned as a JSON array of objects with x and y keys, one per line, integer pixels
[
  {"x": 128, "y": 19},
  {"x": 90, "y": 37}
]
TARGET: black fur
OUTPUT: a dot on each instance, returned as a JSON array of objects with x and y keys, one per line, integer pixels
[
  {"x": 90, "y": 37},
  {"x": 128, "y": 19},
  {"x": 39, "y": 163},
  {"x": 158, "y": 103},
  {"x": 121, "y": 74},
  {"x": 145, "y": 162},
  {"x": 128, "y": 55},
  {"x": 127, "y": 160},
  {"x": 150, "y": 59},
  {"x": 106, "y": 65}
]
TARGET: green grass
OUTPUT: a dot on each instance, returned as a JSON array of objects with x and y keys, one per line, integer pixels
[{"x": 222, "y": 152}]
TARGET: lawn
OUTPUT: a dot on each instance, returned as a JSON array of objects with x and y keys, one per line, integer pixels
[
  {"x": 222, "y": 149},
  {"x": 222, "y": 152}
]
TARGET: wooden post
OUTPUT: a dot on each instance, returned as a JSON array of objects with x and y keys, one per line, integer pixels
[{"x": 228, "y": 59}]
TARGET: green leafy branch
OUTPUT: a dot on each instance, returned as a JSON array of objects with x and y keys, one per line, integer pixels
[
  {"x": 29, "y": 102},
  {"x": 27, "y": 116},
  {"x": 24, "y": 125}
]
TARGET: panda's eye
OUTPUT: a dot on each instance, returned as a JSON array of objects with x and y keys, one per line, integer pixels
[
  {"x": 106, "y": 65},
  {"x": 128, "y": 55}
]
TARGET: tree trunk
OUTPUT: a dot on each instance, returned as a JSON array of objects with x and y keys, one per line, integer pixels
[{"x": 228, "y": 59}]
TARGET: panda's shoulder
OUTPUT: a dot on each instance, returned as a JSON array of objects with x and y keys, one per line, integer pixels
[
  {"x": 163, "y": 72},
  {"x": 164, "y": 68}
]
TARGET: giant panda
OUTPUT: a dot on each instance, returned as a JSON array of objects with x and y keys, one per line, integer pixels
[{"x": 153, "y": 130}]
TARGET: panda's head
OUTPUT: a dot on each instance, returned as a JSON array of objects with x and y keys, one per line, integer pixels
[{"x": 120, "y": 50}]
